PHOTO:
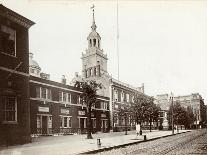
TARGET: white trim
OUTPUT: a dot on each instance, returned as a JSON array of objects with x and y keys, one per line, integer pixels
[
  {"x": 103, "y": 99},
  {"x": 81, "y": 117},
  {"x": 14, "y": 71},
  {"x": 71, "y": 104},
  {"x": 104, "y": 119},
  {"x": 45, "y": 84},
  {"x": 44, "y": 114},
  {"x": 65, "y": 115}
]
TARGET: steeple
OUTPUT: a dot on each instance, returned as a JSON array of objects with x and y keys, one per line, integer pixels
[
  {"x": 94, "y": 61},
  {"x": 93, "y": 23}
]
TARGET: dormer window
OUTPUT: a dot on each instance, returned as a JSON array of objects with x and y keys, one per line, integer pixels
[{"x": 7, "y": 40}]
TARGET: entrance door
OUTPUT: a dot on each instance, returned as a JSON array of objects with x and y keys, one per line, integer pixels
[
  {"x": 82, "y": 125},
  {"x": 44, "y": 124},
  {"x": 103, "y": 125}
]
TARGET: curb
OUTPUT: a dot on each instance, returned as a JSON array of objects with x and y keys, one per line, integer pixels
[{"x": 122, "y": 145}]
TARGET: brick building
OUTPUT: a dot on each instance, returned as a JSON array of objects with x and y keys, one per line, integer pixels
[
  {"x": 14, "y": 78},
  {"x": 57, "y": 107}
]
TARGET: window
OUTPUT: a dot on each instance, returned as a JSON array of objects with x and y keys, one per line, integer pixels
[
  {"x": 7, "y": 40},
  {"x": 50, "y": 122},
  {"x": 94, "y": 42},
  {"x": 43, "y": 93},
  {"x": 94, "y": 71},
  {"x": 132, "y": 99},
  {"x": 122, "y": 96},
  {"x": 127, "y": 97},
  {"x": 104, "y": 105},
  {"x": 64, "y": 97},
  {"x": 78, "y": 99},
  {"x": 38, "y": 121},
  {"x": 115, "y": 95},
  {"x": 66, "y": 122},
  {"x": 90, "y": 43},
  {"x": 9, "y": 107}
]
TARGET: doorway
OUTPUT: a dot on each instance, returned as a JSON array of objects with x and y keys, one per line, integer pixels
[
  {"x": 44, "y": 124},
  {"x": 82, "y": 124}
]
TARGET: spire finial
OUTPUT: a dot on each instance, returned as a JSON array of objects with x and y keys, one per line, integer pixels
[{"x": 93, "y": 24}]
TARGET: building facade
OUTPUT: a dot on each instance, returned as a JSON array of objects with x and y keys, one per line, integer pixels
[
  {"x": 193, "y": 101},
  {"x": 121, "y": 96},
  {"x": 14, "y": 78},
  {"x": 163, "y": 101},
  {"x": 57, "y": 108},
  {"x": 196, "y": 103}
]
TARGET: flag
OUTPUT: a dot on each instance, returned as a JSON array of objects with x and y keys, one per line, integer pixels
[{"x": 93, "y": 6}]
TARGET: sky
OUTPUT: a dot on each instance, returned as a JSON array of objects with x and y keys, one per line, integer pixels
[{"x": 162, "y": 44}]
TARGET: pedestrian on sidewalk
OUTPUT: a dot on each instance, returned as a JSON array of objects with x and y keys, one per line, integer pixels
[{"x": 138, "y": 130}]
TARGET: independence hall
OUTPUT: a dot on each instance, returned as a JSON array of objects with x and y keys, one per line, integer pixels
[{"x": 58, "y": 108}]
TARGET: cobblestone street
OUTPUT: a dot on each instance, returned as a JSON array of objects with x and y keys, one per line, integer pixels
[{"x": 194, "y": 142}]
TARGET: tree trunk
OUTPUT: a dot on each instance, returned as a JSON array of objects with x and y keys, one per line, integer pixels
[
  {"x": 125, "y": 123},
  {"x": 150, "y": 125},
  {"x": 89, "y": 123}
]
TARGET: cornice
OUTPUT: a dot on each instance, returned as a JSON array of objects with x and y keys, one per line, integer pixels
[{"x": 15, "y": 17}]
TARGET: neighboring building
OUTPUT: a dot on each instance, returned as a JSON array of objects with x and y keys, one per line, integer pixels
[
  {"x": 56, "y": 108},
  {"x": 193, "y": 101},
  {"x": 163, "y": 101},
  {"x": 14, "y": 78},
  {"x": 196, "y": 103},
  {"x": 94, "y": 67},
  {"x": 121, "y": 95}
]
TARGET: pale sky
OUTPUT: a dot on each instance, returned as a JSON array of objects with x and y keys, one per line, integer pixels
[{"x": 162, "y": 44}]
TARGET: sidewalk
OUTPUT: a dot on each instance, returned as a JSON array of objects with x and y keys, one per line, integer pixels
[{"x": 76, "y": 144}]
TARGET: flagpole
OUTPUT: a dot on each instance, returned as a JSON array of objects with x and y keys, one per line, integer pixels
[{"x": 117, "y": 36}]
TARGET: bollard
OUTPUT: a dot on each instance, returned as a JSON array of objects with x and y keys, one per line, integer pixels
[
  {"x": 145, "y": 137},
  {"x": 98, "y": 141}
]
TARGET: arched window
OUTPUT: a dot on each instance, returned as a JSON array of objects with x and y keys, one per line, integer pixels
[
  {"x": 94, "y": 42},
  {"x": 95, "y": 71},
  {"x": 90, "y": 43},
  {"x": 98, "y": 44}
]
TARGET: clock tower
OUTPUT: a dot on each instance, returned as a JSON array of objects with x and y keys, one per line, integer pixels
[{"x": 94, "y": 61}]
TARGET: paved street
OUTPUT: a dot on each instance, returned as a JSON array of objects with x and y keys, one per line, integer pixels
[{"x": 194, "y": 142}]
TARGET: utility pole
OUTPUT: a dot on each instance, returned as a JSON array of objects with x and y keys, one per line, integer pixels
[{"x": 172, "y": 114}]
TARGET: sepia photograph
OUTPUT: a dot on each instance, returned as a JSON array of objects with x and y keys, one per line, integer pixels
[{"x": 103, "y": 77}]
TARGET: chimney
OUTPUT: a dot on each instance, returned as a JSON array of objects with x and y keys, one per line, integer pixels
[
  {"x": 63, "y": 79},
  {"x": 142, "y": 87}
]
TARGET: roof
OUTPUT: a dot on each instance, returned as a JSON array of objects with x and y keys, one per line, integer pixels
[
  {"x": 15, "y": 17},
  {"x": 94, "y": 34}
]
